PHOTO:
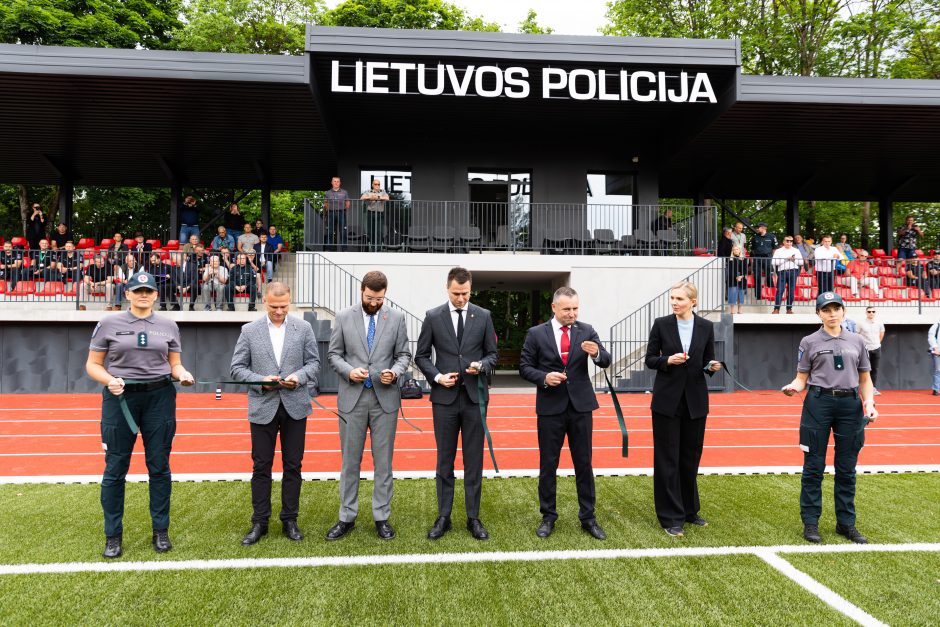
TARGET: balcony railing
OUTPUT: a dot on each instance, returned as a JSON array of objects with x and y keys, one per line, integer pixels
[{"x": 547, "y": 228}]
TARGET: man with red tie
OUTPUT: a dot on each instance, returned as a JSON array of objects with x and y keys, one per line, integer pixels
[{"x": 555, "y": 358}]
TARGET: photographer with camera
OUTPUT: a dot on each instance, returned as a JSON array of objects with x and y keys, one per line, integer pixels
[{"x": 907, "y": 238}]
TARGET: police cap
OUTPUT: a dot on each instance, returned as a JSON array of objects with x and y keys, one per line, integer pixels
[
  {"x": 828, "y": 298},
  {"x": 141, "y": 280}
]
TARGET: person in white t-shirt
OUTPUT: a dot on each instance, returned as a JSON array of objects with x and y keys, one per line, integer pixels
[
  {"x": 826, "y": 256},
  {"x": 786, "y": 261},
  {"x": 873, "y": 332}
]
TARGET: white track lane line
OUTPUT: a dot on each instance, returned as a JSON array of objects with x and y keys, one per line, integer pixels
[{"x": 820, "y": 591}]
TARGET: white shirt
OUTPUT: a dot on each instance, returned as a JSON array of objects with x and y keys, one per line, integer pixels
[
  {"x": 782, "y": 258},
  {"x": 365, "y": 322},
  {"x": 825, "y": 258},
  {"x": 871, "y": 331},
  {"x": 277, "y": 334},
  {"x": 453, "y": 316}
]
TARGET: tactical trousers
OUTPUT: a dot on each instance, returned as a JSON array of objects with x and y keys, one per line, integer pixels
[
  {"x": 842, "y": 416},
  {"x": 155, "y": 415}
]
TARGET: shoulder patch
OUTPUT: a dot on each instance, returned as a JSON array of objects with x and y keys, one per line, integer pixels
[{"x": 95, "y": 332}]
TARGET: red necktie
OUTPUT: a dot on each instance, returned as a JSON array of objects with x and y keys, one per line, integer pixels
[{"x": 565, "y": 345}]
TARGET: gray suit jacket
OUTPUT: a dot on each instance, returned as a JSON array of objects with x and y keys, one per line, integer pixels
[
  {"x": 254, "y": 359},
  {"x": 348, "y": 350}
]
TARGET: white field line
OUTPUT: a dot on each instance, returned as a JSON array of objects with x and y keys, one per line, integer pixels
[
  {"x": 817, "y": 589},
  {"x": 489, "y": 474}
]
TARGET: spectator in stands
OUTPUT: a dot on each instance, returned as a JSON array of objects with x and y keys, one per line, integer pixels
[
  {"x": 164, "y": 274},
  {"x": 738, "y": 237},
  {"x": 725, "y": 244},
  {"x": 806, "y": 250},
  {"x": 36, "y": 227},
  {"x": 907, "y": 238},
  {"x": 264, "y": 256},
  {"x": 933, "y": 271},
  {"x": 233, "y": 220},
  {"x": 225, "y": 256},
  {"x": 186, "y": 277},
  {"x": 44, "y": 266},
  {"x": 122, "y": 272},
  {"x": 189, "y": 219},
  {"x": 200, "y": 258},
  {"x": 825, "y": 257},
  {"x": 253, "y": 263},
  {"x": 844, "y": 241},
  {"x": 373, "y": 214},
  {"x": 661, "y": 223},
  {"x": 54, "y": 247},
  {"x": 762, "y": 249},
  {"x": 96, "y": 280},
  {"x": 241, "y": 280},
  {"x": 736, "y": 275},
  {"x": 223, "y": 239},
  {"x": 61, "y": 235},
  {"x": 214, "y": 281},
  {"x": 933, "y": 340},
  {"x": 916, "y": 276},
  {"x": 247, "y": 240},
  {"x": 846, "y": 255},
  {"x": 189, "y": 248},
  {"x": 873, "y": 331},
  {"x": 336, "y": 204},
  {"x": 859, "y": 276},
  {"x": 787, "y": 261},
  {"x": 276, "y": 241},
  {"x": 119, "y": 247},
  {"x": 11, "y": 265},
  {"x": 70, "y": 263},
  {"x": 259, "y": 227},
  {"x": 142, "y": 250}
]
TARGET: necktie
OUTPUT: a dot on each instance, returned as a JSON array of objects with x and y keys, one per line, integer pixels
[
  {"x": 370, "y": 336},
  {"x": 565, "y": 345},
  {"x": 459, "y": 326}
]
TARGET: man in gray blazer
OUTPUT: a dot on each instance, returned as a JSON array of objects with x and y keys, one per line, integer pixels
[
  {"x": 464, "y": 344},
  {"x": 281, "y": 349},
  {"x": 369, "y": 351}
]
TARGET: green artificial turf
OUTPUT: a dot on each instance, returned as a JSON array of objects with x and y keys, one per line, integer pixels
[
  {"x": 896, "y": 588},
  {"x": 664, "y": 591},
  {"x": 54, "y": 523}
]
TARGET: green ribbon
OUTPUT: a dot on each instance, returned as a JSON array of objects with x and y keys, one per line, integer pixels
[
  {"x": 625, "y": 438},
  {"x": 481, "y": 401}
]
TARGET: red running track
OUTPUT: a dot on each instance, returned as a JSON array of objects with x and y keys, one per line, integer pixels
[{"x": 58, "y": 435}]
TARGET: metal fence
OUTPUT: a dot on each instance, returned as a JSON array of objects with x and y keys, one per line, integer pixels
[{"x": 548, "y": 228}]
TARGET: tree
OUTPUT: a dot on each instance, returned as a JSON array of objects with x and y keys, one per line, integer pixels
[
  {"x": 418, "y": 14},
  {"x": 530, "y": 25},
  {"x": 920, "y": 55},
  {"x": 248, "y": 26}
]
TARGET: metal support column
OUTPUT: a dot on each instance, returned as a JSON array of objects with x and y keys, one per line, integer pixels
[
  {"x": 66, "y": 195},
  {"x": 886, "y": 224},
  {"x": 176, "y": 192},
  {"x": 266, "y": 202},
  {"x": 792, "y": 215}
]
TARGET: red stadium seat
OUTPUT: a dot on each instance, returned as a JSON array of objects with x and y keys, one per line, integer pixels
[
  {"x": 866, "y": 293},
  {"x": 19, "y": 242},
  {"x": 768, "y": 293},
  {"x": 3, "y": 286},
  {"x": 919, "y": 253},
  {"x": 750, "y": 281},
  {"x": 805, "y": 280},
  {"x": 155, "y": 243},
  {"x": 698, "y": 251},
  {"x": 804, "y": 294},
  {"x": 70, "y": 289},
  {"x": 50, "y": 288},
  {"x": 24, "y": 288},
  {"x": 173, "y": 244},
  {"x": 878, "y": 253},
  {"x": 896, "y": 294},
  {"x": 85, "y": 242},
  {"x": 106, "y": 243},
  {"x": 2, "y": 241}
]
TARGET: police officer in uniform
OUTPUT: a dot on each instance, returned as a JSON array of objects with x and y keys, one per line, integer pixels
[
  {"x": 136, "y": 355},
  {"x": 834, "y": 369},
  {"x": 762, "y": 249}
]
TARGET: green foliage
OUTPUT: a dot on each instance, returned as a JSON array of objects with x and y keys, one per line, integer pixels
[
  {"x": 95, "y": 23},
  {"x": 511, "y": 311},
  {"x": 530, "y": 25},
  {"x": 419, "y": 14},
  {"x": 920, "y": 56},
  {"x": 247, "y": 26}
]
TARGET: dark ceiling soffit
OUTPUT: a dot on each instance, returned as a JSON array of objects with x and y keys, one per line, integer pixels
[
  {"x": 326, "y": 40},
  {"x": 680, "y": 137},
  {"x": 322, "y": 105},
  {"x": 62, "y": 169},
  {"x": 110, "y": 62}
]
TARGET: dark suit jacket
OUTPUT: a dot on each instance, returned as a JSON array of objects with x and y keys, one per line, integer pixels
[
  {"x": 479, "y": 344},
  {"x": 269, "y": 253},
  {"x": 540, "y": 356},
  {"x": 688, "y": 378}
]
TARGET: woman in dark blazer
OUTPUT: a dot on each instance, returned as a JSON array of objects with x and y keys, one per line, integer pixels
[{"x": 681, "y": 349}]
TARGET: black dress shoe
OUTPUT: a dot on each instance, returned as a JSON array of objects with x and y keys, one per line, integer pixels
[
  {"x": 698, "y": 521},
  {"x": 545, "y": 528},
  {"x": 596, "y": 531},
  {"x": 251, "y": 308},
  {"x": 112, "y": 547},
  {"x": 161, "y": 541},
  {"x": 175, "y": 308},
  {"x": 476, "y": 529},
  {"x": 339, "y": 530},
  {"x": 192, "y": 307},
  {"x": 850, "y": 532},
  {"x": 384, "y": 530},
  {"x": 675, "y": 531},
  {"x": 441, "y": 526},
  {"x": 292, "y": 531},
  {"x": 811, "y": 533},
  {"x": 252, "y": 537}
]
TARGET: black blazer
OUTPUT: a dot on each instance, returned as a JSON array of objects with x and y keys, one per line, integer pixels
[
  {"x": 689, "y": 378},
  {"x": 540, "y": 356},
  {"x": 479, "y": 344}
]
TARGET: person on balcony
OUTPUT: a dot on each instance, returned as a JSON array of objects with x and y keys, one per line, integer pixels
[
  {"x": 189, "y": 219},
  {"x": 763, "y": 245},
  {"x": 336, "y": 204},
  {"x": 859, "y": 275},
  {"x": 736, "y": 279},
  {"x": 907, "y": 238},
  {"x": 787, "y": 261},
  {"x": 825, "y": 257},
  {"x": 373, "y": 214}
]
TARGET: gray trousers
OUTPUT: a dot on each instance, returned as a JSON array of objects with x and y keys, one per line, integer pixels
[{"x": 366, "y": 415}]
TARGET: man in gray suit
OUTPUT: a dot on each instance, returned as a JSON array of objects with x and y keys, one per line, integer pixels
[
  {"x": 464, "y": 344},
  {"x": 369, "y": 351},
  {"x": 281, "y": 349}
]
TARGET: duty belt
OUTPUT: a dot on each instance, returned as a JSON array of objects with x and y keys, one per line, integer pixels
[
  {"x": 147, "y": 385},
  {"x": 834, "y": 391}
]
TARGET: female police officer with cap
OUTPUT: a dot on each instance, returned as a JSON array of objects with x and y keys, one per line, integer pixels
[
  {"x": 143, "y": 353},
  {"x": 834, "y": 364}
]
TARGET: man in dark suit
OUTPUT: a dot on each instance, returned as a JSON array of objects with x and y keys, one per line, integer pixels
[
  {"x": 464, "y": 344},
  {"x": 554, "y": 358}
]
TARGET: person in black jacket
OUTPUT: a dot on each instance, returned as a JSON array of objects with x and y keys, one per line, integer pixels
[
  {"x": 36, "y": 227},
  {"x": 681, "y": 349},
  {"x": 763, "y": 245},
  {"x": 736, "y": 279},
  {"x": 725, "y": 243}
]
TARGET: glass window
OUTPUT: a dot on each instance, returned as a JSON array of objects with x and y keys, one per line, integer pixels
[
  {"x": 397, "y": 183},
  {"x": 500, "y": 203},
  {"x": 610, "y": 200}
]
